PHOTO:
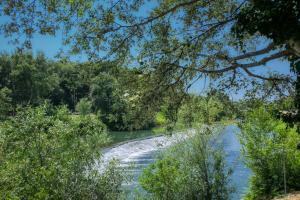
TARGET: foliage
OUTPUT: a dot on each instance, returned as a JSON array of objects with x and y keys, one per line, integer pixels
[
  {"x": 84, "y": 106},
  {"x": 103, "y": 92},
  {"x": 158, "y": 178},
  {"x": 193, "y": 110},
  {"x": 191, "y": 169},
  {"x": 114, "y": 91},
  {"x": 30, "y": 79},
  {"x": 160, "y": 119},
  {"x": 5, "y": 103},
  {"x": 269, "y": 149},
  {"x": 47, "y": 154},
  {"x": 197, "y": 36},
  {"x": 276, "y": 19},
  {"x": 114, "y": 104},
  {"x": 75, "y": 80},
  {"x": 105, "y": 98},
  {"x": 51, "y": 15},
  {"x": 207, "y": 109}
]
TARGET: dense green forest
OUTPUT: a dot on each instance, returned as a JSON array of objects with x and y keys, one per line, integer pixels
[
  {"x": 100, "y": 88},
  {"x": 141, "y": 63},
  {"x": 110, "y": 91}
]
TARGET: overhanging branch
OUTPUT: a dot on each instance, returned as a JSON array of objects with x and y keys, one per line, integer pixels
[
  {"x": 255, "y": 53},
  {"x": 262, "y": 77}
]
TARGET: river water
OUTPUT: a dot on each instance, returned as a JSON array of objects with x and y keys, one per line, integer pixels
[
  {"x": 241, "y": 173},
  {"x": 136, "y": 155}
]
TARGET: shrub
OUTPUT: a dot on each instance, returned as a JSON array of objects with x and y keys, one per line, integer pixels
[
  {"x": 189, "y": 170},
  {"x": 270, "y": 150},
  {"x": 46, "y": 154},
  {"x": 5, "y": 103},
  {"x": 160, "y": 119},
  {"x": 84, "y": 106},
  {"x": 198, "y": 110},
  {"x": 158, "y": 178}
]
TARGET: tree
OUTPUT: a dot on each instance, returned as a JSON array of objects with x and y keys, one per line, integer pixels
[
  {"x": 49, "y": 15},
  {"x": 48, "y": 154},
  {"x": 84, "y": 106},
  {"x": 30, "y": 79},
  {"x": 279, "y": 21},
  {"x": 178, "y": 42},
  {"x": 112, "y": 89},
  {"x": 196, "y": 35},
  {"x": 105, "y": 98},
  {"x": 269, "y": 149},
  {"x": 192, "y": 169},
  {"x": 103, "y": 91},
  {"x": 197, "y": 110},
  {"x": 72, "y": 86},
  {"x": 5, "y": 103}
]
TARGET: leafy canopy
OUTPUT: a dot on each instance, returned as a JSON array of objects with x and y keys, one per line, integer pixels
[{"x": 177, "y": 41}]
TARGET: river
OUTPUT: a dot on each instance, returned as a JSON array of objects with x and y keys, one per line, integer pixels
[{"x": 134, "y": 156}]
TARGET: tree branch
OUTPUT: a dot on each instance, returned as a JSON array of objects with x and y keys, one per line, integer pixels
[
  {"x": 151, "y": 19},
  {"x": 267, "y": 59},
  {"x": 255, "y": 53},
  {"x": 235, "y": 65},
  {"x": 262, "y": 77}
]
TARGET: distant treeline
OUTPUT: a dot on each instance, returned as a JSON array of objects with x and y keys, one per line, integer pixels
[
  {"x": 121, "y": 97},
  {"x": 103, "y": 88}
]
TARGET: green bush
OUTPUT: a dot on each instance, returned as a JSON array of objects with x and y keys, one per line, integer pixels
[
  {"x": 270, "y": 150},
  {"x": 189, "y": 170},
  {"x": 158, "y": 178},
  {"x": 198, "y": 110},
  {"x": 5, "y": 103},
  {"x": 160, "y": 119},
  {"x": 47, "y": 154},
  {"x": 84, "y": 106}
]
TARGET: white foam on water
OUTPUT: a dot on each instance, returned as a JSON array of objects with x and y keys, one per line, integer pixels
[{"x": 132, "y": 152}]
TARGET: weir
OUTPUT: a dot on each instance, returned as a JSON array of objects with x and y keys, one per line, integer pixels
[{"x": 135, "y": 156}]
